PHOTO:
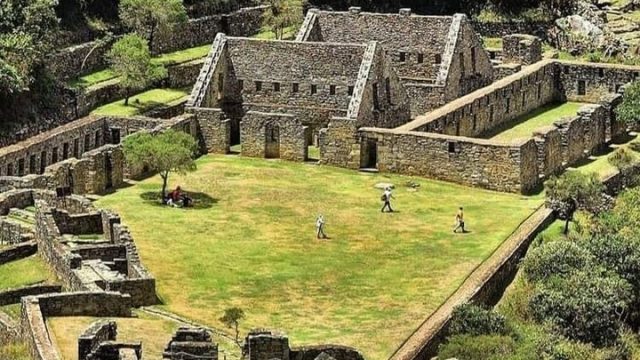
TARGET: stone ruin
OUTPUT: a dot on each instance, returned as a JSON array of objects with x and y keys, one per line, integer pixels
[
  {"x": 98, "y": 342},
  {"x": 191, "y": 343},
  {"x": 263, "y": 344}
]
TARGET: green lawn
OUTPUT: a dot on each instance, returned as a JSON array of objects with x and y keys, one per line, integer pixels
[
  {"x": 290, "y": 33},
  {"x": 251, "y": 243},
  {"x": 525, "y": 125},
  {"x": 143, "y": 102},
  {"x": 23, "y": 272}
]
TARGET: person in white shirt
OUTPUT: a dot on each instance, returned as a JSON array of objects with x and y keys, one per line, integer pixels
[
  {"x": 320, "y": 228},
  {"x": 386, "y": 197}
]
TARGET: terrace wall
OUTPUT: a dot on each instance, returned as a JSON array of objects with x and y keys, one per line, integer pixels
[
  {"x": 67, "y": 63},
  {"x": 16, "y": 252},
  {"x": 13, "y": 296}
]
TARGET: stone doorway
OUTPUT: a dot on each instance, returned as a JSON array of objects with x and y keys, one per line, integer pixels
[
  {"x": 369, "y": 154},
  {"x": 272, "y": 141}
]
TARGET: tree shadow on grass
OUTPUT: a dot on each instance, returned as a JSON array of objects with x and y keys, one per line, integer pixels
[{"x": 200, "y": 200}]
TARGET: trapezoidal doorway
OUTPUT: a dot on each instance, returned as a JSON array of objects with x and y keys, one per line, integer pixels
[{"x": 272, "y": 141}]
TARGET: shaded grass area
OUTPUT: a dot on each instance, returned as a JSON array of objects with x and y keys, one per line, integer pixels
[
  {"x": 24, "y": 272},
  {"x": 525, "y": 125},
  {"x": 599, "y": 163},
  {"x": 143, "y": 102},
  {"x": 289, "y": 33},
  {"x": 369, "y": 286},
  {"x": 154, "y": 332},
  {"x": 177, "y": 57}
]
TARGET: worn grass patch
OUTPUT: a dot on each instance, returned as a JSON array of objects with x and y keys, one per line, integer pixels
[
  {"x": 24, "y": 272},
  {"x": 524, "y": 126},
  {"x": 143, "y": 102},
  {"x": 253, "y": 246}
]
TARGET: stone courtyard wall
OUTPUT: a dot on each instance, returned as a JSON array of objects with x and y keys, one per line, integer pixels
[
  {"x": 502, "y": 167},
  {"x": 493, "y": 106},
  {"x": 597, "y": 80}
]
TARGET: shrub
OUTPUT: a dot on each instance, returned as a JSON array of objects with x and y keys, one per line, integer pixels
[
  {"x": 473, "y": 320},
  {"x": 587, "y": 306},
  {"x": 555, "y": 259},
  {"x": 622, "y": 159},
  {"x": 635, "y": 146},
  {"x": 484, "y": 347}
]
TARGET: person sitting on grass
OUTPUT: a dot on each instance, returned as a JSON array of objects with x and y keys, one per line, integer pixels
[{"x": 177, "y": 198}]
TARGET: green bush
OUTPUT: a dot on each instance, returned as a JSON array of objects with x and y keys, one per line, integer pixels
[
  {"x": 588, "y": 306},
  {"x": 555, "y": 259},
  {"x": 621, "y": 158},
  {"x": 635, "y": 145},
  {"x": 484, "y": 347},
  {"x": 473, "y": 320}
]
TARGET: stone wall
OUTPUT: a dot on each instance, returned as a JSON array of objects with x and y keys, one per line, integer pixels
[
  {"x": 13, "y": 296},
  {"x": 90, "y": 339},
  {"x": 589, "y": 82},
  {"x": 521, "y": 49},
  {"x": 500, "y": 29},
  {"x": 273, "y": 136},
  {"x": 18, "y": 251},
  {"x": 494, "y": 106},
  {"x": 67, "y": 63},
  {"x": 474, "y": 162},
  {"x": 334, "y": 351},
  {"x": 35, "y": 310},
  {"x": 262, "y": 344},
  {"x": 191, "y": 343}
]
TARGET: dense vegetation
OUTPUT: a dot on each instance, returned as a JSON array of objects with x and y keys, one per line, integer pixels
[{"x": 576, "y": 297}]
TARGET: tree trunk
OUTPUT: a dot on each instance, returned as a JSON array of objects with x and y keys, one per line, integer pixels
[
  {"x": 165, "y": 177},
  {"x": 126, "y": 97},
  {"x": 566, "y": 226},
  {"x": 151, "y": 36}
]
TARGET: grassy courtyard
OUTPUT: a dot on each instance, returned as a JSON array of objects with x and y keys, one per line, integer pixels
[
  {"x": 24, "y": 272},
  {"x": 142, "y": 102},
  {"x": 525, "y": 125},
  {"x": 250, "y": 242}
]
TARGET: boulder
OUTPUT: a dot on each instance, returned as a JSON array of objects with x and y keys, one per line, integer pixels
[{"x": 383, "y": 185}]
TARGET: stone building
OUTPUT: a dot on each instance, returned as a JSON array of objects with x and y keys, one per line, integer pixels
[
  {"x": 275, "y": 96},
  {"x": 437, "y": 58}
]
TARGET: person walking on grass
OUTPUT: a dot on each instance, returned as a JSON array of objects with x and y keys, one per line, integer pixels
[
  {"x": 386, "y": 197},
  {"x": 459, "y": 221},
  {"x": 320, "y": 228}
]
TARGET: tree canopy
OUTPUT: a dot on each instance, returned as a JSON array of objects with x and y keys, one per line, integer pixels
[
  {"x": 165, "y": 152},
  {"x": 282, "y": 15},
  {"x": 231, "y": 318},
  {"x": 130, "y": 59},
  {"x": 629, "y": 110},
  {"x": 574, "y": 191},
  {"x": 146, "y": 17},
  {"x": 27, "y": 28}
]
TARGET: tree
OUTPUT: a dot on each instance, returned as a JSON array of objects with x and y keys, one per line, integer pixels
[
  {"x": 559, "y": 8},
  {"x": 282, "y": 15},
  {"x": 27, "y": 30},
  {"x": 130, "y": 59},
  {"x": 165, "y": 152},
  {"x": 231, "y": 319},
  {"x": 629, "y": 110},
  {"x": 574, "y": 191},
  {"x": 146, "y": 17}
]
